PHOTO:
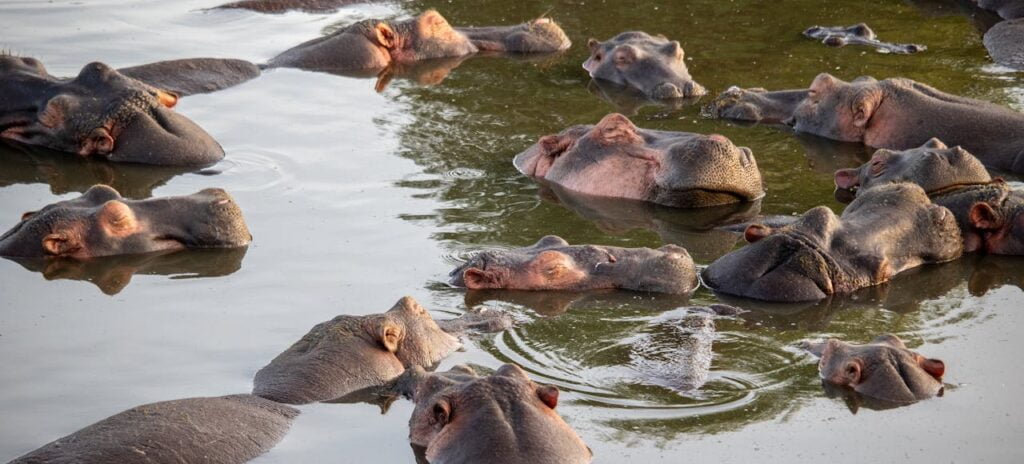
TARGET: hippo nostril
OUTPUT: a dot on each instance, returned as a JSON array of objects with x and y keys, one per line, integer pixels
[
  {"x": 746, "y": 156},
  {"x": 222, "y": 201}
]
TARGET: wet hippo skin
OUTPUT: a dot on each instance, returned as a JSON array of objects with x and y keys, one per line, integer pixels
[
  {"x": 989, "y": 212},
  {"x": 102, "y": 223},
  {"x": 101, "y": 113},
  {"x": 883, "y": 369},
  {"x": 858, "y": 34},
  {"x": 652, "y": 64},
  {"x": 616, "y": 159},
  {"x": 227, "y": 429},
  {"x": 893, "y": 113},
  {"x": 504, "y": 418},
  {"x": 885, "y": 231},
  {"x": 377, "y": 44},
  {"x": 282, "y": 6},
  {"x": 553, "y": 264},
  {"x": 193, "y": 75},
  {"x": 351, "y": 353}
]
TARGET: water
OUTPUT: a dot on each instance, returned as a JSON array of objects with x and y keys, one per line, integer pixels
[{"x": 356, "y": 198}]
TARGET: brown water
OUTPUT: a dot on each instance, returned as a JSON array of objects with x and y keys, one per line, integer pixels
[{"x": 356, "y": 198}]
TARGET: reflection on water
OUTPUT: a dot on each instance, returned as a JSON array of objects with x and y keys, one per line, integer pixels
[
  {"x": 113, "y": 273},
  {"x": 629, "y": 100}
]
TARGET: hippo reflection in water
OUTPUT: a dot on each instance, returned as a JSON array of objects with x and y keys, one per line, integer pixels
[
  {"x": 616, "y": 159},
  {"x": 895, "y": 113},
  {"x": 101, "y": 113},
  {"x": 102, "y": 223},
  {"x": 553, "y": 264},
  {"x": 651, "y": 64},
  {"x": 989, "y": 212},
  {"x": 885, "y": 231},
  {"x": 504, "y": 418},
  {"x": 883, "y": 369}
]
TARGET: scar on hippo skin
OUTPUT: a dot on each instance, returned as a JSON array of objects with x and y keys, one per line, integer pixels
[
  {"x": 887, "y": 230},
  {"x": 883, "y": 369},
  {"x": 987, "y": 211},
  {"x": 100, "y": 114},
  {"x": 102, "y": 223},
  {"x": 373, "y": 45},
  {"x": 858, "y": 34},
  {"x": 461, "y": 417},
  {"x": 616, "y": 159},
  {"x": 652, "y": 64},
  {"x": 895, "y": 113},
  {"x": 227, "y": 429},
  {"x": 352, "y": 353},
  {"x": 553, "y": 264}
]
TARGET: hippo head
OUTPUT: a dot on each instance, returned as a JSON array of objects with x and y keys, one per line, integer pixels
[
  {"x": 541, "y": 35},
  {"x": 408, "y": 331},
  {"x": 102, "y": 223},
  {"x": 553, "y": 264},
  {"x": 100, "y": 113},
  {"x": 884, "y": 231},
  {"x": 997, "y": 227},
  {"x": 652, "y": 64},
  {"x": 883, "y": 369},
  {"x": 461, "y": 417},
  {"x": 616, "y": 159},
  {"x": 424, "y": 37},
  {"x": 836, "y": 109},
  {"x": 933, "y": 166}
]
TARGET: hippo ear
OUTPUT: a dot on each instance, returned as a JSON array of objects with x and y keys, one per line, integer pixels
[
  {"x": 476, "y": 278},
  {"x": 548, "y": 395},
  {"x": 117, "y": 219},
  {"x": 625, "y": 56},
  {"x": 614, "y": 129},
  {"x": 60, "y": 244},
  {"x": 592, "y": 44},
  {"x": 755, "y": 232},
  {"x": 166, "y": 98},
  {"x": 984, "y": 217},
  {"x": 384, "y": 35},
  {"x": 389, "y": 335},
  {"x": 934, "y": 143},
  {"x": 673, "y": 49},
  {"x": 934, "y": 367},
  {"x": 28, "y": 214},
  {"x": 99, "y": 141},
  {"x": 864, "y": 105},
  {"x": 441, "y": 413},
  {"x": 822, "y": 84}
]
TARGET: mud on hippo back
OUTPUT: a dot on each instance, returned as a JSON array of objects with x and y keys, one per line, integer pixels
[
  {"x": 616, "y": 159},
  {"x": 895, "y": 113},
  {"x": 101, "y": 113},
  {"x": 504, "y": 418}
]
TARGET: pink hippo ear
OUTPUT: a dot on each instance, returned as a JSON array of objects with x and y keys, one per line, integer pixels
[
  {"x": 476, "y": 279},
  {"x": 847, "y": 178},
  {"x": 864, "y": 104},
  {"x": 755, "y": 232},
  {"x": 934, "y": 367},
  {"x": 616, "y": 129},
  {"x": 822, "y": 84},
  {"x": 441, "y": 413},
  {"x": 592, "y": 44},
  {"x": 60, "y": 244},
  {"x": 390, "y": 335},
  {"x": 384, "y": 35},
  {"x": 548, "y": 395},
  {"x": 984, "y": 217}
]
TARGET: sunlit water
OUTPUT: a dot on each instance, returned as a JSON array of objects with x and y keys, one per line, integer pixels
[{"x": 356, "y": 198}]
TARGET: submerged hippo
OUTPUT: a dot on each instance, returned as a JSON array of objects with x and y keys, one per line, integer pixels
[
  {"x": 503, "y": 418},
  {"x": 226, "y": 429},
  {"x": 553, "y": 264},
  {"x": 102, "y": 223},
  {"x": 101, "y": 113},
  {"x": 282, "y": 6},
  {"x": 858, "y": 34},
  {"x": 886, "y": 230},
  {"x": 377, "y": 44},
  {"x": 883, "y": 369},
  {"x": 988, "y": 212},
  {"x": 652, "y": 64},
  {"x": 893, "y": 113},
  {"x": 616, "y": 159},
  {"x": 352, "y": 353}
]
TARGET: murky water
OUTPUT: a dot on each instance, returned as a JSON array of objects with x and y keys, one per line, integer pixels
[{"x": 356, "y": 198}]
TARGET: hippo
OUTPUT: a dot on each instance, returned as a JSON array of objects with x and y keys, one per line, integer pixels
[
  {"x": 895, "y": 113},
  {"x": 503, "y": 418},
  {"x": 616, "y": 159},
  {"x": 883, "y": 369},
  {"x": 193, "y": 76},
  {"x": 553, "y": 264},
  {"x": 101, "y": 113},
  {"x": 1005, "y": 43},
  {"x": 884, "y": 231},
  {"x": 988, "y": 211},
  {"x": 1007, "y": 9},
  {"x": 858, "y": 34},
  {"x": 351, "y": 353},
  {"x": 226, "y": 429},
  {"x": 652, "y": 64},
  {"x": 377, "y": 44},
  {"x": 284, "y": 6},
  {"x": 102, "y": 223}
]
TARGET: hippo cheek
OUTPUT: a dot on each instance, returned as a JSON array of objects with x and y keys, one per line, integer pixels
[{"x": 164, "y": 137}]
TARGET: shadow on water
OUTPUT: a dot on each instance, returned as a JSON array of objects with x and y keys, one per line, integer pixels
[
  {"x": 111, "y": 274},
  {"x": 65, "y": 173}
]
